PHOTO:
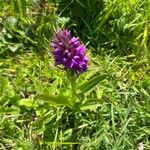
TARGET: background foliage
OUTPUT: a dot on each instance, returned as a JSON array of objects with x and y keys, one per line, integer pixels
[{"x": 114, "y": 109}]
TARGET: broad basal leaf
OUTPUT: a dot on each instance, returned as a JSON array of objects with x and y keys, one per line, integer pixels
[
  {"x": 29, "y": 103},
  {"x": 55, "y": 99}
]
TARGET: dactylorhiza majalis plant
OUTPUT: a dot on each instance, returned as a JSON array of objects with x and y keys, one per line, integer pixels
[{"x": 69, "y": 52}]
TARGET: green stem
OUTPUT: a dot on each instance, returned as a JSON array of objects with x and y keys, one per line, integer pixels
[
  {"x": 73, "y": 90},
  {"x": 72, "y": 78}
]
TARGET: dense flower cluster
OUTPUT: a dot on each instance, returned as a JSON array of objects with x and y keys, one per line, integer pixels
[{"x": 68, "y": 51}]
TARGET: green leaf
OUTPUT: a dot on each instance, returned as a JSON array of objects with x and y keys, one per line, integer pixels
[
  {"x": 38, "y": 86},
  {"x": 3, "y": 85},
  {"x": 53, "y": 87},
  {"x": 55, "y": 99},
  {"x": 146, "y": 82},
  {"x": 59, "y": 143},
  {"x": 23, "y": 6},
  {"x": 90, "y": 84},
  {"x": 62, "y": 21},
  {"x": 29, "y": 103},
  {"x": 99, "y": 93},
  {"x": 11, "y": 22},
  {"x": 10, "y": 110},
  {"x": 91, "y": 104},
  {"x": 14, "y": 47}
]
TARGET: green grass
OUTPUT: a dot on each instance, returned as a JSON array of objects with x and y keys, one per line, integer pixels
[{"x": 113, "y": 107}]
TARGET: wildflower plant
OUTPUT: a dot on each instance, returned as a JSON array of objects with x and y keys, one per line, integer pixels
[{"x": 69, "y": 52}]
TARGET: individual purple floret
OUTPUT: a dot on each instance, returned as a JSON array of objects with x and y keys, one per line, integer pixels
[{"x": 69, "y": 51}]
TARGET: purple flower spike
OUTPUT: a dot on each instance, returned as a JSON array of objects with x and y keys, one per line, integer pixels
[{"x": 69, "y": 51}]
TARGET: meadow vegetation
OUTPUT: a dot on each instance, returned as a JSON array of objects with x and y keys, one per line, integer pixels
[{"x": 112, "y": 111}]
